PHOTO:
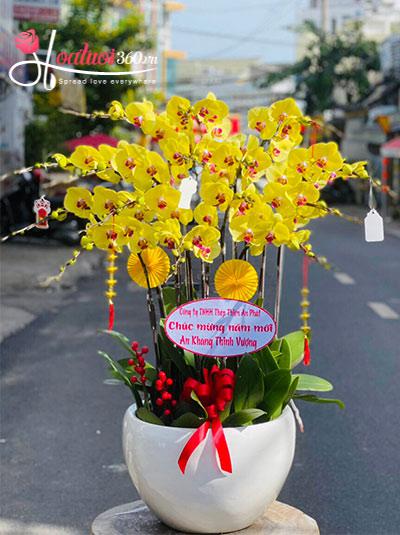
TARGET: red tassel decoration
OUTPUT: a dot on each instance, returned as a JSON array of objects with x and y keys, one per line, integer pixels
[
  {"x": 111, "y": 315},
  {"x": 305, "y": 315},
  {"x": 307, "y": 353}
]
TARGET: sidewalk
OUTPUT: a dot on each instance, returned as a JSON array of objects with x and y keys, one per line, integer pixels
[{"x": 24, "y": 265}]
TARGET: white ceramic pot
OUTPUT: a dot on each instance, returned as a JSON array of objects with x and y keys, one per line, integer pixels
[{"x": 204, "y": 499}]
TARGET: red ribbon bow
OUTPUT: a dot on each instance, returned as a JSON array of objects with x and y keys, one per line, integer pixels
[{"x": 214, "y": 393}]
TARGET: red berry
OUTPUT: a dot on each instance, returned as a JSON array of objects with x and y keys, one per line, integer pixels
[
  {"x": 143, "y": 378},
  {"x": 133, "y": 379},
  {"x": 145, "y": 350},
  {"x": 169, "y": 382},
  {"x": 139, "y": 370},
  {"x": 165, "y": 395},
  {"x": 167, "y": 412},
  {"x": 141, "y": 361},
  {"x": 158, "y": 385},
  {"x": 159, "y": 402},
  {"x": 162, "y": 376},
  {"x": 135, "y": 346},
  {"x": 131, "y": 362},
  {"x": 174, "y": 402}
]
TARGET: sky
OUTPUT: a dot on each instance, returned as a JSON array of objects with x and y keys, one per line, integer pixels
[{"x": 215, "y": 29}]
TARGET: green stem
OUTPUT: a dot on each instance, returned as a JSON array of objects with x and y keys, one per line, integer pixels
[
  {"x": 223, "y": 226},
  {"x": 152, "y": 312},
  {"x": 261, "y": 281}
]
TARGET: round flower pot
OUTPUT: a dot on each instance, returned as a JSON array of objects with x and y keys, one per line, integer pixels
[{"x": 204, "y": 499}]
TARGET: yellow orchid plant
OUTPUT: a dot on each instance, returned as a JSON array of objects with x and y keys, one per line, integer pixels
[{"x": 194, "y": 195}]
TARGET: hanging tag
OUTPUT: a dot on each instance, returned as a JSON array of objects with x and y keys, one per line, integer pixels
[
  {"x": 373, "y": 225},
  {"x": 42, "y": 209},
  {"x": 188, "y": 187}
]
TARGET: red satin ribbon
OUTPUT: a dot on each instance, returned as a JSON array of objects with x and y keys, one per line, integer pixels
[{"x": 213, "y": 394}]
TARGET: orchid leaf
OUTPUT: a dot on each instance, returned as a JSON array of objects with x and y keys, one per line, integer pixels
[
  {"x": 243, "y": 418},
  {"x": 189, "y": 419},
  {"x": 148, "y": 416},
  {"x": 312, "y": 398},
  {"x": 249, "y": 388},
  {"x": 312, "y": 382},
  {"x": 277, "y": 384}
]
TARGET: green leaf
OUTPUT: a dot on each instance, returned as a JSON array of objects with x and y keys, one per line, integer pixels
[
  {"x": 277, "y": 384},
  {"x": 295, "y": 340},
  {"x": 243, "y": 417},
  {"x": 171, "y": 352},
  {"x": 285, "y": 359},
  {"x": 312, "y": 382},
  {"x": 292, "y": 389},
  {"x": 189, "y": 419},
  {"x": 249, "y": 388},
  {"x": 116, "y": 368},
  {"x": 148, "y": 416},
  {"x": 169, "y": 298},
  {"x": 195, "y": 398},
  {"x": 266, "y": 360},
  {"x": 312, "y": 398},
  {"x": 189, "y": 358},
  {"x": 121, "y": 338},
  {"x": 275, "y": 345}
]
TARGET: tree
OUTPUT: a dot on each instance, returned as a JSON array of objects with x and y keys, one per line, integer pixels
[
  {"x": 336, "y": 69},
  {"x": 91, "y": 21}
]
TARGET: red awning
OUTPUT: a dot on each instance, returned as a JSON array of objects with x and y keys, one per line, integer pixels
[
  {"x": 391, "y": 149},
  {"x": 92, "y": 140}
]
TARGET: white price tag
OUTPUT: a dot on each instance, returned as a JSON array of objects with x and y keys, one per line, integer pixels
[
  {"x": 188, "y": 187},
  {"x": 373, "y": 224}
]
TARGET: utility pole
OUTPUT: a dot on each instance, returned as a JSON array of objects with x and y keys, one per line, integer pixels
[{"x": 325, "y": 16}]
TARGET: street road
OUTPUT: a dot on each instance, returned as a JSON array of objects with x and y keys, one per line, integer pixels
[{"x": 61, "y": 456}]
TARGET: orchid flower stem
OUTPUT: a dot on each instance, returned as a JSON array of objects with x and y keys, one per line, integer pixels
[
  {"x": 223, "y": 226},
  {"x": 279, "y": 276},
  {"x": 160, "y": 301},
  {"x": 207, "y": 280},
  {"x": 188, "y": 264},
  {"x": 261, "y": 282},
  {"x": 203, "y": 279},
  {"x": 152, "y": 312},
  {"x": 243, "y": 253}
]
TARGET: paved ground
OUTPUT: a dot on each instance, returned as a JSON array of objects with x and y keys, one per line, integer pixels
[
  {"x": 61, "y": 455},
  {"x": 24, "y": 266}
]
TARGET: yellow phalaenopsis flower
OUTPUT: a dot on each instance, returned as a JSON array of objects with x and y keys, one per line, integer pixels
[
  {"x": 179, "y": 112},
  {"x": 108, "y": 236},
  {"x": 162, "y": 200},
  {"x": 105, "y": 201},
  {"x": 217, "y": 194},
  {"x": 169, "y": 234},
  {"x": 206, "y": 214},
  {"x": 107, "y": 152},
  {"x": 79, "y": 201},
  {"x": 152, "y": 168},
  {"x": 86, "y": 158},
  {"x": 140, "y": 113},
  {"x": 203, "y": 240},
  {"x": 210, "y": 110},
  {"x": 143, "y": 237},
  {"x": 125, "y": 161},
  {"x": 236, "y": 279},
  {"x": 260, "y": 119},
  {"x": 151, "y": 269},
  {"x": 116, "y": 110},
  {"x": 281, "y": 110},
  {"x": 176, "y": 150}
]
